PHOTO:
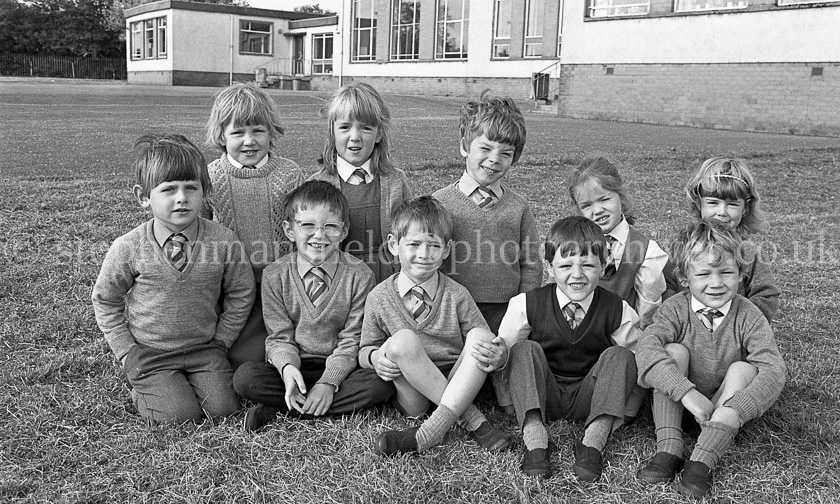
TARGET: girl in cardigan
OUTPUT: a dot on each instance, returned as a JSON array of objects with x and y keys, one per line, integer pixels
[
  {"x": 635, "y": 264},
  {"x": 356, "y": 159},
  {"x": 250, "y": 181}
]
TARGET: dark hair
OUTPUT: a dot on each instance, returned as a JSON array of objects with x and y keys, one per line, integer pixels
[
  {"x": 359, "y": 101},
  {"x": 603, "y": 172},
  {"x": 707, "y": 237},
  {"x": 575, "y": 235},
  {"x": 167, "y": 157},
  {"x": 313, "y": 193},
  {"x": 424, "y": 212},
  {"x": 499, "y": 119}
]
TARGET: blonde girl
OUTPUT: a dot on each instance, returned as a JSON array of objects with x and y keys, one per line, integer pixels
[
  {"x": 724, "y": 189},
  {"x": 250, "y": 180},
  {"x": 357, "y": 160},
  {"x": 634, "y": 269}
]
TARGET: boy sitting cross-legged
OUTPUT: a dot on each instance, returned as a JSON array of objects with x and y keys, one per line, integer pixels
[
  {"x": 423, "y": 331},
  {"x": 710, "y": 351},
  {"x": 157, "y": 294},
  {"x": 313, "y": 302},
  {"x": 570, "y": 350}
]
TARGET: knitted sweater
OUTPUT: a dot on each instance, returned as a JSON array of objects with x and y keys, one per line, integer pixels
[
  {"x": 442, "y": 332},
  {"x": 496, "y": 249},
  {"x": 249, "y": 201},
  {"x": 758, "y": 284},
  {"x": 743, "y": 335},
  {"x": 393, "y": 190},
  {"x": 140, "y": 297},
  {"x": 298, "y": 330}
]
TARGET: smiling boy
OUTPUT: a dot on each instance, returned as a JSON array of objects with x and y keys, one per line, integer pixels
[
  {"x": 423, "y": 332},
  {"x": 160, "y": 285},
  {"x": 313, "y": 302},
  {"x": 571, "y": 348},
  {"x": 495, "y": 251},
  {"x": 710, "y": 351}
]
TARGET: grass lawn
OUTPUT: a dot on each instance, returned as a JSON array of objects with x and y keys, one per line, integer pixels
[{"x": 69, "y": 432}]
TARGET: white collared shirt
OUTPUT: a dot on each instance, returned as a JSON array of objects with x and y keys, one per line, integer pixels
[
  {"x": 405, "y": 284},
  {"x": 329, "y": 266},
  {"x": 346, "y": 170},
  {"x": 696, "y": 306},
  {"x": 262, "y": 162},
  {"x": 467, "y": 185}
]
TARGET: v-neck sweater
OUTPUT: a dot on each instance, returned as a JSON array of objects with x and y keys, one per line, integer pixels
[
  {"x": 495, "y": 249},
  {"x": 140, "y": 297},
  {"x": 442, "y": 332},
  {"x": 744, "y": 334},
  {"x": 299, "y": 330}
]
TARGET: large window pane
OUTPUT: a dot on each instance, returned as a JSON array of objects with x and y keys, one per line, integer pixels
[
  {"x": 452, "y": 31},
  {"x": 501, "y": 29},
  {"x": 255, "y": 37},
  {"x": 364, "y": 31}
]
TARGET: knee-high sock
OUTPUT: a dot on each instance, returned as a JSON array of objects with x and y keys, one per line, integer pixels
[
  {"x": 715, "y": 438},
  {"x": 598, "y": 431},
  {"x": 435, "y": 428},
  {"x": 667, "y": 416},
  {"x": 534, "y": 432}
]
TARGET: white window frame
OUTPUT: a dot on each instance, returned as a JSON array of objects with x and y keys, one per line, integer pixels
[
  {"x": 560, "y": 26},
  {"x": 533, "y": 36},
  {"x": 500, "y": 40},
  {"x": 321, "y": 62},
  {"x": 709, "y": 5},
  {"x": 613, "y": 8},
  {"x": 405, "y": 36},
  {"x": 248, "y": 33},
  {"x": 357, "y": 31},
  {"x": 799, "y": 2},
  {"x": 458, "y": 22},
  {"x": 148, "y": 39}
]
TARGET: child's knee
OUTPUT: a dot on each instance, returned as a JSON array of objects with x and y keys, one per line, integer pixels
[
  {"x": 403, "y": 344},
  {"x": 478, "y": 334},
  {"x": 680, "y": 355},
  {"x": 741, "y": 372}
]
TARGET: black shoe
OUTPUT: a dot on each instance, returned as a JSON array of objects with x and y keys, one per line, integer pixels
[
  {"x": 392, "y": 443},
  {"x": 258, "y": 417},
  {"x": 662, "y": 468},
  {"x": 695, "y": 480},
  {"x": 588, "y": 465},
  {"x": 536, "y": 463},
  {"x": 490, "y": 438}
]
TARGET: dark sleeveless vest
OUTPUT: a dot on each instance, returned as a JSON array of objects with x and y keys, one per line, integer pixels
[
  {"x": 572, "y": 353},
  {"x": 623, "y": 282}
]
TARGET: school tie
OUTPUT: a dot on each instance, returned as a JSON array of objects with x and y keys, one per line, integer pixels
[
  {"x": 710, "y": 314},
  {"x": 315, "y": 284},
  {"x": 574, "y": 314},
  {"x": 175, "y": 250},
  {"x": 422, "y": 305},
  {"x": 610, "y": 270},
  {"x": 483, "y": 196},
  {"x": 361, "y": 176}
]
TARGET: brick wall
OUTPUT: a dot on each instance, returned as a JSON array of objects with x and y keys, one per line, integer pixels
[
  {"x": 462, "y": 87},
  {"x": 771, "y": 97}
]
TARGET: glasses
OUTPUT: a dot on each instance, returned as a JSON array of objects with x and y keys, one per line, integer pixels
[{"x": 331, "y": 229}]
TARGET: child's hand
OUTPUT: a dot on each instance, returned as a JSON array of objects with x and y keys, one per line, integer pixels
[
  {"x": 384, "y": 367},
  {"x": 319, "y": 399},
  {"x": 699, "y": 406},
  {"x": 295, "y": 388},
  {"x": 490, "y": 355}
]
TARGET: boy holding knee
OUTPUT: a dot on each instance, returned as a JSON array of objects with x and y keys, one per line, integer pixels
[
  {"x": 710, "y": 351},
  {"x": 313, "y": 302},
  {"x": 571, "y": 348},
  {"x": 423, "y": 331},
  {"x": 157, "y": 293}
]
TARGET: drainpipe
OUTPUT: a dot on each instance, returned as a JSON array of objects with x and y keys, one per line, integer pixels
[
  {"x": 341, "y": 46},
  {"x": 230, "y": 77}
]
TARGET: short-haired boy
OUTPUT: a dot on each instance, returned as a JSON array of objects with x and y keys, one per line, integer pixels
[
  {"x": 709, "y": 350},
  {"x": 571, "y": 348},
  {"x": 495, "y": 252},
  {"x": 160, "y": 286},
  {"x": 423, "y": 331},
  {"x": 313, "y": 302}
]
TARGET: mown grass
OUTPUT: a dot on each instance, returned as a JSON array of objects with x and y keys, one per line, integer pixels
[{"x": 70, "y": 434}]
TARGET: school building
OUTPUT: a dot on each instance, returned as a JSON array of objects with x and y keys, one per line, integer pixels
[{"x": 761, "y": 65}]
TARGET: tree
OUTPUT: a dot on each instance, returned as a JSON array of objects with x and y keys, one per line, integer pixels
[{"x": 314, "y": 9}]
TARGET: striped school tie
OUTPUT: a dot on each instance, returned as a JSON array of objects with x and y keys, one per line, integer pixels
[
  {"x": 315, "y": 284},
  {"x": 175, "y": 248},
  {"x": 422, "y": 304},
  {"x": 574, "y": 314},
  {"x": 483, "y": 196},
  {"x": 361, "y": 176},
  {"x": 709, "y": 316},
  {"x": 611, "y": 269}
]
